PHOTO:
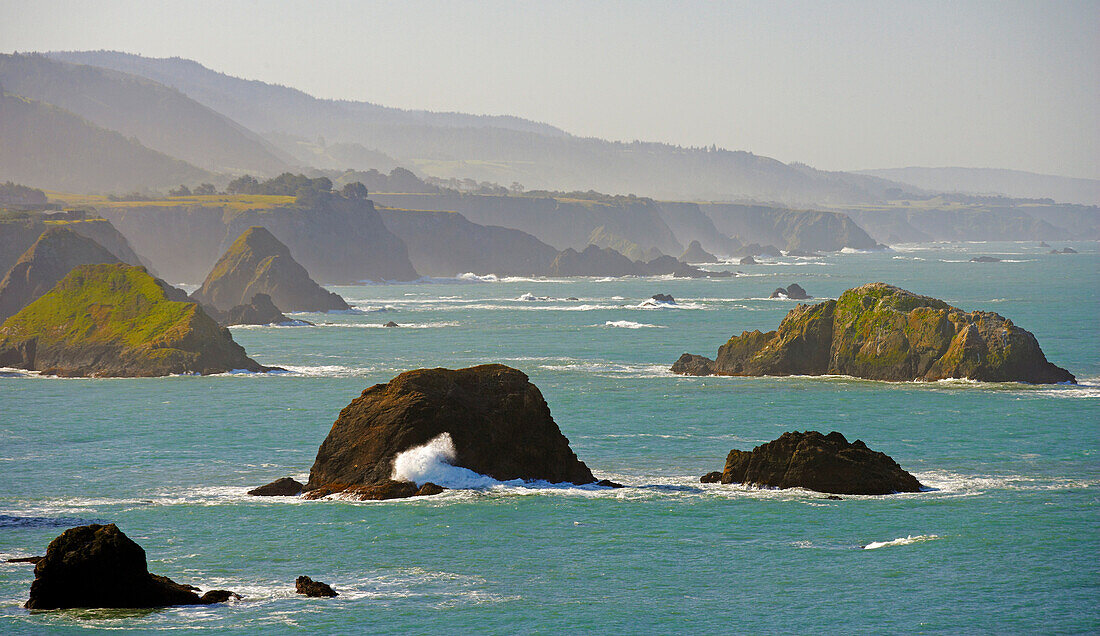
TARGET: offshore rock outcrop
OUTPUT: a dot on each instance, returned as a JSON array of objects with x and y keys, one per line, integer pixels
[
  {"x": 259, "y": 311},
  {"x": 112, "y": 320},
  {"x": 308, "y": 587},
  {"x": 882, "y": 332},
  {"x": 825, "y": 463},
  {"x": 99, "y": 566},
  {"x": 52, "y": 256},
  {"x": 794, "y": 292},
  {"x": 497, "y": 420},
  {"x": 258, "y": 263},
  {"x": 696, "y": 254},
  {"x": 604, "y": 261},
  {"x": 282, "y": 487}
]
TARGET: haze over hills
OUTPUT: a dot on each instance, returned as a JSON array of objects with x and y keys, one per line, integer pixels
[
  {"x": 161, "y": 118},
  {"x": 1011, "y": 183},
  {"x": 499, "y": 149}
]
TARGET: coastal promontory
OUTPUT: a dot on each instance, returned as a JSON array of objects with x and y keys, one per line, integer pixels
[
  {"x": 112, "y": 320},
  {"x": 488, "y": 419},
  {"x": 258, "y": 263},
  {"x": 882, "y": 332}
]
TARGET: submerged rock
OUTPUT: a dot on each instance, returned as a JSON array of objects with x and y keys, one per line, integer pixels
[
  {"x": 31, "y": 559},
  {"x": 117, "y": 320},
  {"x": 308, "y": 587},
  {"x": 257, "y": 262},
  {"x": 985, "y": 259},
  {"x": 696, "y": 254},
  {"x": 882, "y": 332},
  {"x": 50, "y": 259},
  {"x": 284, "y": 487},
  {"x": 391, "y": 324},
  {"x": 99, "y": 566},
  {"x": 825, "y": 463},
  {"x": 497, "y": 421},
  {"x": 663, "y": 298}
]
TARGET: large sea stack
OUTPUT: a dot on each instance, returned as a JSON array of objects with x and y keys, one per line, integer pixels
[
  {"x": 99, "y": 566},
  {"x": 825, "y": 463},
  {"x": 117, "y": 320},
  {"x": 498, "y": 422},
  {"x": 56, "y": 252},
  {"x": 881, "y": 332},
  {"x": 258, "y": 263}
]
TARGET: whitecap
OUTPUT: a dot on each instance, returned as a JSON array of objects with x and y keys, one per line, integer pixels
[
  {"x": 626, "y": 324},
  {"x": 901, "y": 541}
]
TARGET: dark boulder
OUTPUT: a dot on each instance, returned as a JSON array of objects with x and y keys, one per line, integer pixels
[
  {"x": 308, "y": 587},
  {"x": 284, "y": 487},
  {"x": 691, "y": 364},
  {"x": 1068, "y": 250},
  {"x": 794, "y": 292},
  {"x": 824, "y": 463},
  {"x": 31, "y": 559},
  {"x": 429, "y": 489},
  {"x": 497, "y": 422},
  {"x": 391, "y": 324},
  {"x": 985, "y": 259},
  {"x": 747, "y": 260},
  {"x": 99, "y": 566},
  {"x": 696, "y": 254},
  {"x": 713, "y": 477},
  {"x": 1043, "y": 244},
  {"x": 663, "y": 298},
  {"x": 259, "y": 311}
]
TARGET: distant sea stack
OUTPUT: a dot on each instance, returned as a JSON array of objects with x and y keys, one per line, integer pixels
[
  {"x": 258, "y": 263},
  {"x": 604, "y": 261},
  {"x": 259, "y": 311},
  {"x": 497, "y": 422},
  {"x": 696, "y": 254},
  {"x": 825, "y": 463},
  {"x": 882, "y": 332},
  {"x": 117, "y": 320},
  {"x": 99, "y": 566},
  {"x": 52, "y": 256}
]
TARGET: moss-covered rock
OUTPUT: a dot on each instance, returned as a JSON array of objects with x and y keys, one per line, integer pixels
[
  {"x": 882, "y": 332},
  {"x": 52, "y": 256},
  {"x": 258, "y": 263},
  {"x": 117, "y": 320}
]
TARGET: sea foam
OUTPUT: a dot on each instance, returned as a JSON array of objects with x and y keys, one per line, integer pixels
[
  {"x": 874, "y": 545},
  {"x": 432, "y": 462}
]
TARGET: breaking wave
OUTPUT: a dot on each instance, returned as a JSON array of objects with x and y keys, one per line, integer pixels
[
  {"x": 626, "y": 324},
  {"x": 874, "y": 545},
  {"x": 432, "y": 462}
]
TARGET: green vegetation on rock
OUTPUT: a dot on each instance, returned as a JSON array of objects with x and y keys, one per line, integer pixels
[
  {"x": 882, "y": 332},
  {"x": 117, "y": 320}
]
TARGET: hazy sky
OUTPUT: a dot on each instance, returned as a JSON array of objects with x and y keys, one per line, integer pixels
[{"x": 843, "y": 85}]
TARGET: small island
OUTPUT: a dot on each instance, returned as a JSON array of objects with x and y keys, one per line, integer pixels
[{"x": 882, "y": 332}]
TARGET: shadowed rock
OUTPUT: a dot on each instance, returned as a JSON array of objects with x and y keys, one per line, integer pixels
[
  {"x": 497, "y": 421},
  {"x": 308, "y": 587},
  {"x": 696, "y": 254},
  {"x": 99, "y": 566},
  {"x": 825, "y": 463},
  {"x": 284, "y": 487},
  {"x": 259, "y": 311}
]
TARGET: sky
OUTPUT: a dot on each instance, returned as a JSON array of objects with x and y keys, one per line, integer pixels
[{"x": 837, "y": 85}]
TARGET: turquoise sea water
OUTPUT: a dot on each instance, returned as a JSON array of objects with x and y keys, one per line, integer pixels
[{"x": 1007, "y": 540}]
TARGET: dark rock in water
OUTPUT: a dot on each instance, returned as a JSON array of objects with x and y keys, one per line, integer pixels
[
  {"x": 30, "y": 559},
  {"x": 1068, "y": 250},
  {"x": 985, "y": 259},
  {"x": 572, "y": 298},
  {"x": 667, "y": 265},
  {"x": 663, "y": 298},
  {"x": 50, "y": 259},
  {"x": 696, "y": 254},
  {"x": 881, "y": 332},
  {"x": 607, "y": 483},
  {"x": 259, "y": 311},
  {"x": 825, "y": 463},
  {"x": 714, "y": 477},
  {"x": 381, "y": 491},
  {"x": 747, "y": 260},
  {"x": 429, "y": 489},
  {"x": 755, "y": 249},
  {"x": 691, "y": 364},
  {"x": 284, "y": 487},
  {"x": 391, "y": 324},
  {"x": 1043, "y": 244},
  {"x": 778, "y": 293},
  {"x": 496, "y": 420},
  {"x": 794, "y": 292},
  {"x": 803, "y": 254},
  {"x": 593, "y": 261},
  {"x": 99, "y": 566},
  {"x": 309, "y": 587},
  {"x": 835, "y": 498},
  {"x": 257, "y": 262},
  {"x": 115, "y": 320}
]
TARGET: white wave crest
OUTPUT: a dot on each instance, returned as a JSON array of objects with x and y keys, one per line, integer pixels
[
  {"x": 432, "y": 462},
  {"x": 626, "y": 324},
  {"x": 874, "y": 545}
]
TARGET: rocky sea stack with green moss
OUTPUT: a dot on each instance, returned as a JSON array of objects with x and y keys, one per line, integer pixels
[
  {"x": 259, "y": 263},
  {"x": 116, "y": 320},
  {"x": 882, "y": 332}
]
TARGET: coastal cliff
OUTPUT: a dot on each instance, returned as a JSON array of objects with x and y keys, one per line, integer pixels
[{"x": 882, "y": 332}]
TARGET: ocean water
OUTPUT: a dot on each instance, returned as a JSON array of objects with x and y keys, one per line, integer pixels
[{"x": 1005, "y": 540}]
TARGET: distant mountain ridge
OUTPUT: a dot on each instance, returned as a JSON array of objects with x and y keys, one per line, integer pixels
[
  {"x": 1011, "y": 183},
  {"x": 498, "y": 148}
]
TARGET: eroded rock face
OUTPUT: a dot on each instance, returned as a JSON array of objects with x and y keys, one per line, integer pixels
[
  {"x": 497, "y": 420},
  {"x": 882, "y": 332},
  {"x": 825, "y": 463},
  {"x": 258, "y": 263},
  {"x": 116, "y": 320},
  {"x": 50, "y": 259},
  {"x": 99, "y": 566}
]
